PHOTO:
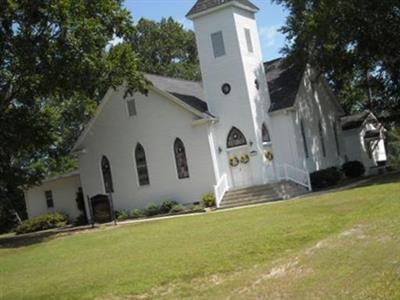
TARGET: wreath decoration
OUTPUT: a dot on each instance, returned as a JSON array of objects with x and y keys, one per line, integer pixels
[
  {"x": 269, "y": 155},
  {"x": 234, "y": 161},
  {"x": 244, "y": 159}
]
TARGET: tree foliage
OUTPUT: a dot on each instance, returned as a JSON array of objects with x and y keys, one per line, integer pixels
[
  {"x": 356, "y": 43},
  {"x": 166, "y": 48},
  {"x": 394, "y": 147},
  {"x": 53, "y": 67}
]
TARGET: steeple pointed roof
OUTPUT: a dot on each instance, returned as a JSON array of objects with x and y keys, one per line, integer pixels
[{"x": 203, "y": 5}]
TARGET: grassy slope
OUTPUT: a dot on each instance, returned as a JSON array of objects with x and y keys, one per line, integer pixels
[{"x": 344, "y": 244}]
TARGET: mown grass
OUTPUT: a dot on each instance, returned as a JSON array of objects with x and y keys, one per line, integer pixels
[{"x": 227, "y": 253}]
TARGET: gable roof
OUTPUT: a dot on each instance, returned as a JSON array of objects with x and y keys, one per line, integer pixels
[
  {"x": 283, "y": 83},
  {"x": 190, "y": 92},
  {"x": 203, "y": 5},
  {"x": 356, "y": 120}
]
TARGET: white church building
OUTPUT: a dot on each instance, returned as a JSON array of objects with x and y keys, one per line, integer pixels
[{"x": 248, "y": 123}]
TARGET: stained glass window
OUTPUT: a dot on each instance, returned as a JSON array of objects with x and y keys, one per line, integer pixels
[
  {"x": 265, "y": 134},
  {"x": 235, "y": 138},
  {"x": 107, "y": 177},
  {"x": 180, "y": 159},
  {"x": 141, "y": 165}
]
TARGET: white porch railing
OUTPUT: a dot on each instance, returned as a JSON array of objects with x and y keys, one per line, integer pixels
[
  {"x": 299, "y": 176},
  {"x": 220, "y": 189}
]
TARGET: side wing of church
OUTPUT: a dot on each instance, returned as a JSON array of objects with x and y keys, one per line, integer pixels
[{"x": 247, "y": 124}]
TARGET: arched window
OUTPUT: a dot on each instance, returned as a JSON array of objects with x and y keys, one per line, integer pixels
[
  {"x": 235, "y": 138},
  {"x": 265, "y": 134},
  {"x": 180, "y": 159},
  {"x": 107, "y": 177},
  {"x": 321, "y": 137},
  {"x": 303, "y": 135},
  {"x": 141, "y": 165}
]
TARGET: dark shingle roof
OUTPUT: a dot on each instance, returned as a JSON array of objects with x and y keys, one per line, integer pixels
[
  {"x": 202, "y": 5},
  {"x": 190, "y": 92},
  {"x": 372, "y": 134},
  {"x": 354, "y": 121},
  {"x": 283, "y": 83}
]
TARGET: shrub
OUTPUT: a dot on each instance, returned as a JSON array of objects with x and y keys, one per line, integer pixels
[
  {"x": 325, "y": 178},
  {"x": 122, "y": 215},
  {"x": 81, "y": 220},
  {"x": 137, "y": 213},
  {"x": 177, "y": 208},
  {"x": 152, "y": 210},
  {"x": 42, "y": 222},
  {"x": 353, "y": 169},
  {"x": 394, "y": 147},
  {"x": 209, "y": 199},
  {"x": 197, "y": 208},
  {"x": 167, "y": 205}
]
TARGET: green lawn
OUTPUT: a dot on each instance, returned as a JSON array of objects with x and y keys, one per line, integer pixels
[{"x": 340, "y": 245}]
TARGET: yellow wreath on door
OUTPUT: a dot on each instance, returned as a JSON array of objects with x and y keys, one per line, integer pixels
[{"x": 269, "y": 155}]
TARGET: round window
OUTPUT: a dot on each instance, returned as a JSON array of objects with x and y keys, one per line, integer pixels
[{"x": 226, "y": 88}]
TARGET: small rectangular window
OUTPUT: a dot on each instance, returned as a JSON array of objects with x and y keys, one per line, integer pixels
[
  {"x": 49, "y": 199},
  {"x": 217, "y": 41},
  {"x": 248, "y": 40},
  {"x": 131, "y": 107}
]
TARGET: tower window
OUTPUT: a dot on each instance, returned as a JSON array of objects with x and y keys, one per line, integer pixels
[
  {"x": 226, "y": 88},
  {"x": 217, "y": 41},
  {"x": 131, "y": 107},
  {"x": 248, "y": 40}
]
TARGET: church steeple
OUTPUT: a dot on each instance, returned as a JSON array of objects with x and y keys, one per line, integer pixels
[{"x": 204, "y": 5}]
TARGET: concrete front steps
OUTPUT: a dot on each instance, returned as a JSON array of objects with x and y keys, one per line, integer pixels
[{"x": 262, "y": 193}]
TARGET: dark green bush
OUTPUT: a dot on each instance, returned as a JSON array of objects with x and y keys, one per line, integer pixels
[
  {"x": 325, "y": 178},
  {"x": 137, "y": 213},
  {"x": 81, "y": 220},
  {"x": 353, "y": 169},
  {"x": 167, "y": 205},
  {"x": 209, "y": 200},
  {"x": 122, "y": 215},
  {"x": 152, "y": 210},
  {"x": 177, "y": 209},
  {"x": 42, "y": 222}
]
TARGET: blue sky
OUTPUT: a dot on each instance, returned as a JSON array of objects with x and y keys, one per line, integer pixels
[{"x": 269, "y": 19}]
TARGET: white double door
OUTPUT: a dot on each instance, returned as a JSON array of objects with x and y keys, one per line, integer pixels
[{"x": 241, "y": 173}]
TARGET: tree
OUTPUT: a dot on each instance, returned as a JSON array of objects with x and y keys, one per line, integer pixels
[
  {"x": 166, "y": 48},
  {"x": 394, "y": 147},
  {"x": 355, "y": 43},
  {"x": 53, "y": 67}
]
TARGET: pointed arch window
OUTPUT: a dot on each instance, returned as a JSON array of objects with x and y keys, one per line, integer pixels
[
  {"x": 180, "y": 159},
  {"x": 235, "y": 138},
  {"x": 107, "y": 177},
  {"x": 303, "y": 135},
  {"x": 265, "y": 134},
  {"x": 321, "y": 137},
  {"x": 141, "y": 165}
]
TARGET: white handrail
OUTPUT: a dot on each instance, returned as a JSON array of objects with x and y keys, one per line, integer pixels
[
  {"x": 220, "y": 189},
  {"x": 299, "y": 176}
]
